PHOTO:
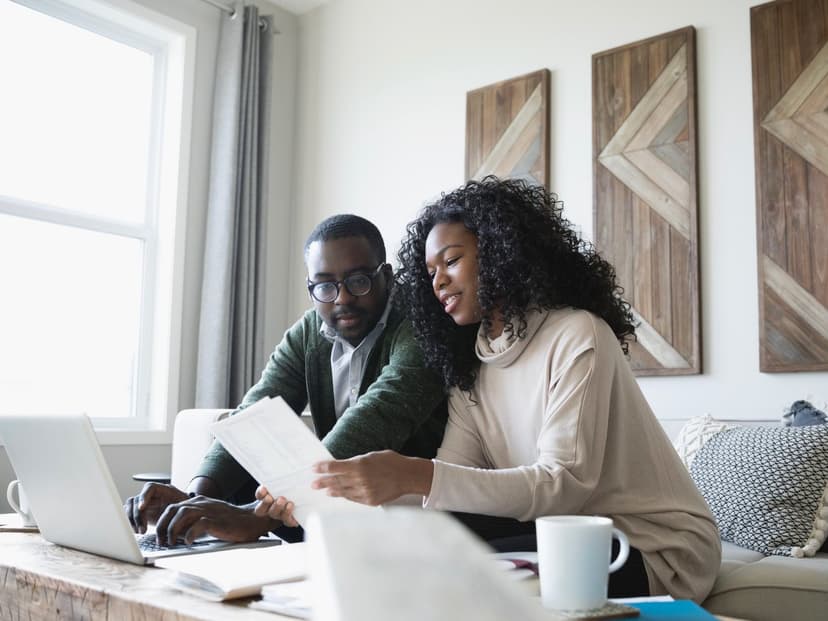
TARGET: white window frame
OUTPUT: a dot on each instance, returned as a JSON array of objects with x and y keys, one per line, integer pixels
[{"x": 173, "y": 46}]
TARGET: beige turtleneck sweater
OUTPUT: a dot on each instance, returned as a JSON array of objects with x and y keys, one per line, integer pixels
[{"x": 556, "y": 424}]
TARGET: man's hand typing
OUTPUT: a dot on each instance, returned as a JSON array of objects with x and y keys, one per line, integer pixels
[
  {"x": 147, "y": 506},
  {"x": 197, "y": 516}
]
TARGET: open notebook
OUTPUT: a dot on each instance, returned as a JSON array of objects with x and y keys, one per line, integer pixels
[{"x": 70, "y": 489}]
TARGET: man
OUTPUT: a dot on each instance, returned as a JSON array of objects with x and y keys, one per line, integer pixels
[{"x": 352, "y": 358}]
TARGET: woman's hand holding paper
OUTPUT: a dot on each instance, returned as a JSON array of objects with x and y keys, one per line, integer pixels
[{"x": 375, "y": 478}]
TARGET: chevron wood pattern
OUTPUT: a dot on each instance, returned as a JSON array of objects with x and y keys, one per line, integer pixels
[
  {"x": 789, "y": 46},
  {"x": 645, "y": 213},
  {"x": 507, "y": 129}
]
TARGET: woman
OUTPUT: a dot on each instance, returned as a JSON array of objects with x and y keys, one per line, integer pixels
[{"x": 526, "y": 324}]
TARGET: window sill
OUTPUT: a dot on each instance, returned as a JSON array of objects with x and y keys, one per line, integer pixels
[{"x": 114, "y": 437}]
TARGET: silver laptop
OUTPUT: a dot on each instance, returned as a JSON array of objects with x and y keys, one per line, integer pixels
[{"x": 71, "y": 492}]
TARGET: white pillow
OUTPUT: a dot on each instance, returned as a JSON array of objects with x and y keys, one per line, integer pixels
[{"x": 695, "y": 433}]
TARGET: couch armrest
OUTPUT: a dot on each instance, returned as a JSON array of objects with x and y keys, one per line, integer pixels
[{"x": 191, "y": 439}]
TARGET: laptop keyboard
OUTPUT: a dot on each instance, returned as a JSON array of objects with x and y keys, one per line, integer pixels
[{"x": 147, "y": 543}]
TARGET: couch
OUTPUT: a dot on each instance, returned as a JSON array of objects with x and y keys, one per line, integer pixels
[
  {"x": 767, "y": 486},
  {"x": 191, "y": 439},
  {"x": 751, "y": 585}
]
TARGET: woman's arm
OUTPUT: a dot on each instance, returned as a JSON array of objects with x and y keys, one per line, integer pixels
[
  {"x": 375, "y": 478},
  {"x": 566, "y": 470},
  {"x": 383, "y": 476}
]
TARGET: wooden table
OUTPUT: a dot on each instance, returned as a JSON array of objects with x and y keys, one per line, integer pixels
[
  {"x": 43, "y": 581},
  {"x": 40, "y": 581}
]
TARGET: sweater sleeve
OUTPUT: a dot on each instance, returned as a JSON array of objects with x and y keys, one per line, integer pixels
[
  {"x": 461, "y": 443},
  {"x": 284, "y": 375},
  {"x": 570, "y": 450},
  {"x": 397, "y": 403}
]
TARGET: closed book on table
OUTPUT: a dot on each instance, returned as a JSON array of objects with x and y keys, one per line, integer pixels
[{"x": 229, "y": 574}]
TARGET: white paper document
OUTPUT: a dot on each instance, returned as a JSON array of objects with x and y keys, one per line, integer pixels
[
  {"x": 407, "y": 564},
  {"x": 270, "y": 441},
  {"x": 289, "y": 598}
]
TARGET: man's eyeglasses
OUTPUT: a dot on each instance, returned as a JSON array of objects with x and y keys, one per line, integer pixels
[{"x": 355, "y": 284}]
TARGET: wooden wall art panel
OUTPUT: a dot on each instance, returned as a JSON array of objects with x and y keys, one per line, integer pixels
[
  {"x": 644, "y": 194},
  {"x": 789, "y": 44},
  {"x": 507, "y": 131}
]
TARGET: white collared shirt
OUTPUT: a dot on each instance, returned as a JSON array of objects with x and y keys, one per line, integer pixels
[{"x": 348, "y": 362}]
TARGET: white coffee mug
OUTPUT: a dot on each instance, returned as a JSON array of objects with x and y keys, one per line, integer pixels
[
  {"x": 21, "y": 507},
  {"x": 574, "y": 560}
]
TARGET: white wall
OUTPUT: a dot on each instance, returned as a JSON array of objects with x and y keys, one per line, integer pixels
[
  {"x": 381, "y": 114},
  {"x": 124, "y": 460},
  {"x": 380, "y": 107}
]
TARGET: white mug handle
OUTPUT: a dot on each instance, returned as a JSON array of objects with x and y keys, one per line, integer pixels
[
  {"x": 10, "y": 496},
  {"x": 623, "y": 553}
]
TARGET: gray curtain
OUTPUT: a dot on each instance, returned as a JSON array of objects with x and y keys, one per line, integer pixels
[{"x": 230, "y": 339}]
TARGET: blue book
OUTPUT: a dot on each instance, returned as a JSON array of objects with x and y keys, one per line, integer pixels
[{"x": 677, "y": 610}]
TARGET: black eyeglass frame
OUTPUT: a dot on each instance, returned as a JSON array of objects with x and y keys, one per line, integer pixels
[{"x": 339, "y": 283}]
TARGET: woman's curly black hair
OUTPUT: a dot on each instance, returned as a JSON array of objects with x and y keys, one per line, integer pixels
[{"x": 528, "y": 257}]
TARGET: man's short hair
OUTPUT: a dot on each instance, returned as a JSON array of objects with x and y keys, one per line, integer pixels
[{"x": 348, "y": 225}]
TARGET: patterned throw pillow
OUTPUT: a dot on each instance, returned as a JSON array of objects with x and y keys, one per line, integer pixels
[{"x": 766, "y": 487}]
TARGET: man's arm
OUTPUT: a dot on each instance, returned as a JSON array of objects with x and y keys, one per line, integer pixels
[
  {"x": 404, "y": 397},
  {"x": 204, "y": 486},
  {"x": 219, "y": 475}
]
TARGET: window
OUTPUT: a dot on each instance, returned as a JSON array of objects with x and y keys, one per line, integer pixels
[{"x": 92, "y": 173}]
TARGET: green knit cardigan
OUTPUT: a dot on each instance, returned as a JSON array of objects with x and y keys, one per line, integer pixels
[{"x": 401, "y": 407}]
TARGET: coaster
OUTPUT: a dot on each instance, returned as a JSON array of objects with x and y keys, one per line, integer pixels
[
  {"x": 610, "y": 610},
  {"x": 13, "y": 523}
]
